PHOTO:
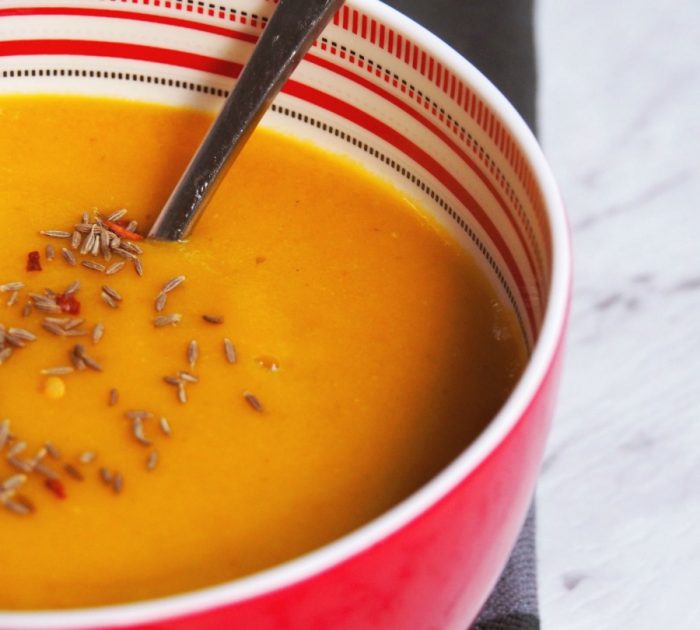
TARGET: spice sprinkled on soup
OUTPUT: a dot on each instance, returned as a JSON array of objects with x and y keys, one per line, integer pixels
[{"x": 175, "y": 415}]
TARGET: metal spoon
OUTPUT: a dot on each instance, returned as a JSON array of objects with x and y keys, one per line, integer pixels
[{"x": 288, "y": 35}]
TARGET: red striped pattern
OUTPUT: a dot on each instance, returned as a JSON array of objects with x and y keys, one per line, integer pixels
[
  {"x": 528, "y": 247},
  {"x": 122, "y": 51},
  {"x": 477, "y": 150},
  {"x": 393, "y": 43},
  {"x": 378, "y": 34},
  {"x": 407, "y": 52}
]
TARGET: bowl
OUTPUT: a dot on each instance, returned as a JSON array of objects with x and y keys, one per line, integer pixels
[{"x": 385, "y": 92}]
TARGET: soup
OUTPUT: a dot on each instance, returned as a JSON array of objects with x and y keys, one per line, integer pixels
[{"x": 195, "y": 412}]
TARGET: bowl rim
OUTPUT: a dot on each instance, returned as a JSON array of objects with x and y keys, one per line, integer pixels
[{"x": 356, "y": 542}]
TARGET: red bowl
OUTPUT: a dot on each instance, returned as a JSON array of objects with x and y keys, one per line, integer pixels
[{"x": 384, "y": 91}]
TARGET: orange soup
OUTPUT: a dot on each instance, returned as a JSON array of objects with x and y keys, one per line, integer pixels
[{"x": 174, "y": 415}]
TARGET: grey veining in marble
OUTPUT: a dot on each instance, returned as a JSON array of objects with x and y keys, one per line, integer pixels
[{"x": 619, "y": 496}]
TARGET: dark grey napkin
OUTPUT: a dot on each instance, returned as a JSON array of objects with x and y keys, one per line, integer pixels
[
  {"x": 513, "y": 603},
  {"x": 497, "y": 37}
]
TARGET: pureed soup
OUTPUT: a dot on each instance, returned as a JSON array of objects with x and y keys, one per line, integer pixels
[{"x": 174, "y": 415}]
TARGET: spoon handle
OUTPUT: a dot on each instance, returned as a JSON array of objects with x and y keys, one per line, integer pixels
[{"x": 288, "y": 35}]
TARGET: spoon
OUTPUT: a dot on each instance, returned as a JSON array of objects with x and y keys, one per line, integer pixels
[{"x": 288, "y": 35}]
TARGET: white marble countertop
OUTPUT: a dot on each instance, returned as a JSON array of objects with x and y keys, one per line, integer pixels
[{"x": 619, "y": 495}]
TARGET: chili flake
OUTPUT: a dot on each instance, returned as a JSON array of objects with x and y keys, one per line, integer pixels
[
  {"x": 121, "y": 231},
  {"x": 68, "y": 303},
  {"x": 55, "y": 486},
  {"x": 33, "y": 261}
]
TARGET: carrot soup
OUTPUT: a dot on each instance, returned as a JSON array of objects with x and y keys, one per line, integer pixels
[{"x": 175, "y": 415}]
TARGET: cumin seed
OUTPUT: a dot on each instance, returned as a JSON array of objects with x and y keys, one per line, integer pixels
[
  {"x": 161, "y": 301},
  {"x": 11, "y": 287},
  {"x": 167, "y": 320},
  {"x": 76, "y": 332},
  {"x": 25, "y": 502},
  {"x": 16, "y": 448},
  {"x": 108, "y": 300},
  {"x": 115, "y": 268},
  {"x": 52, "y": 450},
  {"x": 104, "y": 245},
  {"x": 91, "y": 363},
  {"x": 89, "y": 264},
  {"x": 213, "y": 319},
  {"x": 152, "y": 460},
  {"x": 54, "y": 329},
  {"x": 19, "y": 464},
  {"x": 77, "y": 361},
  {"x": 181, "y": 393},
  {"x": 113, "y": 293},
  {"x": 73, "y": 323},
  {"x": 17, "y": 507},
  {"x": 165, "y": 426},
  {"x": 120, "y": 251},
  {"x": 97, "y": 333},
  {"x": 21, "y": 333},
  {"x": 61, "y": 370},
  {"x": 4, "y": 432},
  {"x": 45, "y": 471},
  {"x": 230, "y": 351},
  {"x": 192, "y": 353},
  {"x": 141, "y": 414},
  {"x": 132, "y": 247},
  {"x": 173, "y": 283},
  {"x": 117, "y": 483},
  {"x": 68, "y": 257},
  {"x": 13, "y": 482},
  {"x": 40, "y": 454},
  {"x": 188, "y": 377},
  {"x": 97, "y": 243},
  {"x": 87, "y": 457},
  {"x": 13, "y": 341},
  {"x": 72, "y": 471},
  {"x": 106, "y": 475},
  {"x": 119, "y": 214},
  {"x": 79, "y": 352},
  {"x": 137, "y": 431},
  {"x": 84, "y": 228},
  {"x": 45, "y": 303},
  {"x": 59, "y": 321},
  {"x": 254, "y": 403},
  {"x": 87, "y": 244},
  {"x": 72, "y": 288}
]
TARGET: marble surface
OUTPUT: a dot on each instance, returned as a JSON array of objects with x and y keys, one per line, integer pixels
[{"x": 619, "y": 496}]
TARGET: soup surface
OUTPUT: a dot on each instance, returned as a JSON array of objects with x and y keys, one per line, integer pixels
[{"x": 366, "y": 351}]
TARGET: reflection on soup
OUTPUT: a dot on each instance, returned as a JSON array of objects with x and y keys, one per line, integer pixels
[{"x": 191, "y": 413}]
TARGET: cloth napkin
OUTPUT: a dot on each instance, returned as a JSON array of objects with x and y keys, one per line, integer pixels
[
  {"x": 497, "y": 37},
  {"x": 513, "y": 603}
]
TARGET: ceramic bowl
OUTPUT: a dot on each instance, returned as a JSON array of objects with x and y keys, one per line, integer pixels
[{"x": 384, "y": 91}]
